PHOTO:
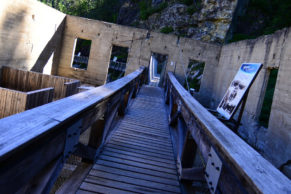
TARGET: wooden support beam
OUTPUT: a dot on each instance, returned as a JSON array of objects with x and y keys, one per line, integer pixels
[{"x": 192, "y": 174}]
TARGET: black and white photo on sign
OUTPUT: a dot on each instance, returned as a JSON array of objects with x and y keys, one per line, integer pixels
[{"x": 237, "y": 89}]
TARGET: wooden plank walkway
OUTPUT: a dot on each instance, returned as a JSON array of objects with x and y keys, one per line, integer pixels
[{"x": 139, "y": 156}]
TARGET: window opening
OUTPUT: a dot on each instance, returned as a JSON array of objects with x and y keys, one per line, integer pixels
[
  {"x": 268, "y": 98},
  {"x": 117, "y": 63},
  {"x": 81, "y": 53},
  {"x": 194, "y": 75},
  {"x": 157, "y": 69}
]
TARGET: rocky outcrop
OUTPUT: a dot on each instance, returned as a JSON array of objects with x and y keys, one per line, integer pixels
[
  {"x": 214, "y": 19},
  {"x": 207, "y": 20}
]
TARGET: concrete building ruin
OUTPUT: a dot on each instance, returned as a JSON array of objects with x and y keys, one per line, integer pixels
[{"x": 33, "y": 35}]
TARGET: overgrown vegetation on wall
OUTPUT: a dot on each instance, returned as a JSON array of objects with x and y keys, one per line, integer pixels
[
  {"x": 106, "y": 10},
  {"x": 259, "y": 18}
]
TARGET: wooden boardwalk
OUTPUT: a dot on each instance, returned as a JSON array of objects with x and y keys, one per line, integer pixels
[{"x": 139, "y": 156}]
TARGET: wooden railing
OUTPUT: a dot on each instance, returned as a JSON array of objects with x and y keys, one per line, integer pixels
[
  {"x": 35, "y": 144},
  {"x": 243, "y": 169}
]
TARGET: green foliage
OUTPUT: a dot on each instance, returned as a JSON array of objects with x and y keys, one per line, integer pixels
[
  {"x": 239, "y": 36},
  {"x": 106, "y": 10},
  {"x": 167, "y": 29},
  {"x": 267, "y": 103},
  {"x": 147, "y": 10},
  {"x": 191, "y": 9},
  {"x": 186, "y": 2},
  {"x": 277, "y": 15}
]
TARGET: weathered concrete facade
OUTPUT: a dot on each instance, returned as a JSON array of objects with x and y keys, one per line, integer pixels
[
  {"x": 31, "y": 32},
  {"x": 274, "y": 51},
  {"x": 141, "y": 44}
]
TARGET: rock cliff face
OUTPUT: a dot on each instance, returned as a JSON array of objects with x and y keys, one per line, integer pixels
[{"x": 207, "y": 20}]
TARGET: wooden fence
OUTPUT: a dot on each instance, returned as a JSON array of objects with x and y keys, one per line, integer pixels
[
  {"x": 27, "y": 81},
  {"x": 243, "y": 169},
  {"x": 35, "y": 144},
  {"x": 12, "y": 101}
]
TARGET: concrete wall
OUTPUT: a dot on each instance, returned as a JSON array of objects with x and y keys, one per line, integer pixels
[
  {"x": 274, "y": 51},
  {"x": 30, "y": 33},
  {"x": 104, "y": 35}
]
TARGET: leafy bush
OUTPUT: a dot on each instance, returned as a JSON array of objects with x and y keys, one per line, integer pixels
[
  {"x": 239, "y": 36},
  {"x": 167, "y": 30},
  {"x": 191, "y": 9},
  {"x": 186, "y": 2}
]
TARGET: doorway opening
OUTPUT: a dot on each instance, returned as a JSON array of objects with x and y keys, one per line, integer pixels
[
  {"x": 117, "y": 64},
  {"x": 81, "y": 53},
  {"x": 157, "y": 69}
]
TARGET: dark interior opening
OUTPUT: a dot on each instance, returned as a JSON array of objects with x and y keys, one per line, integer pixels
[
  {"x": 268, "y": 99},
  {"x": 194, "y": 75},
  {"x": 117, "y": 63},
  {"x": 81, "y": 53}
]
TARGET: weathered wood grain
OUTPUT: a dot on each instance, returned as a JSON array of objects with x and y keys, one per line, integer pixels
[
  {"x": 138, "y": 157},
  {"x": 11, "y": 102},
  {"x": 27, "y": 81}
]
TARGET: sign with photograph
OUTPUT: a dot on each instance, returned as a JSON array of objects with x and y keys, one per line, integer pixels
[{"x": 237, "y": 89}]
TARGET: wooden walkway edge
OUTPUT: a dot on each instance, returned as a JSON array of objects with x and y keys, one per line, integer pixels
[{"x": 139, "y": 156}]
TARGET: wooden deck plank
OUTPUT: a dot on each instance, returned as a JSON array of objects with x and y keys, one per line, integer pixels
[
  {"x": 131, "y": 135},
  {"x": 141, "y": 145},
  {"x": 89, "y": 187},
  {"x": 99, "y": 168},
  {"x": 145, "y": 133},
  {"x": 147, "y": 129},
  {"x": 147, "y": 150},
  {"x": 138, "y": 164},
  {"x": 143, "y": 141},
  {"x": 137, "y": 169},
  {"x": 135, "y": 181},
  {"x": 133, "y": 150},
  {"x": 141, "y": 160},
  {"x": 139, "y": 156},
  {"x": 120, "y": 185}
]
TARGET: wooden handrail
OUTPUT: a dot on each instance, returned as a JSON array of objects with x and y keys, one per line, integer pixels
[
  {"x": 244, "y": 169},
  {"x": 42, "y": 138}
]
